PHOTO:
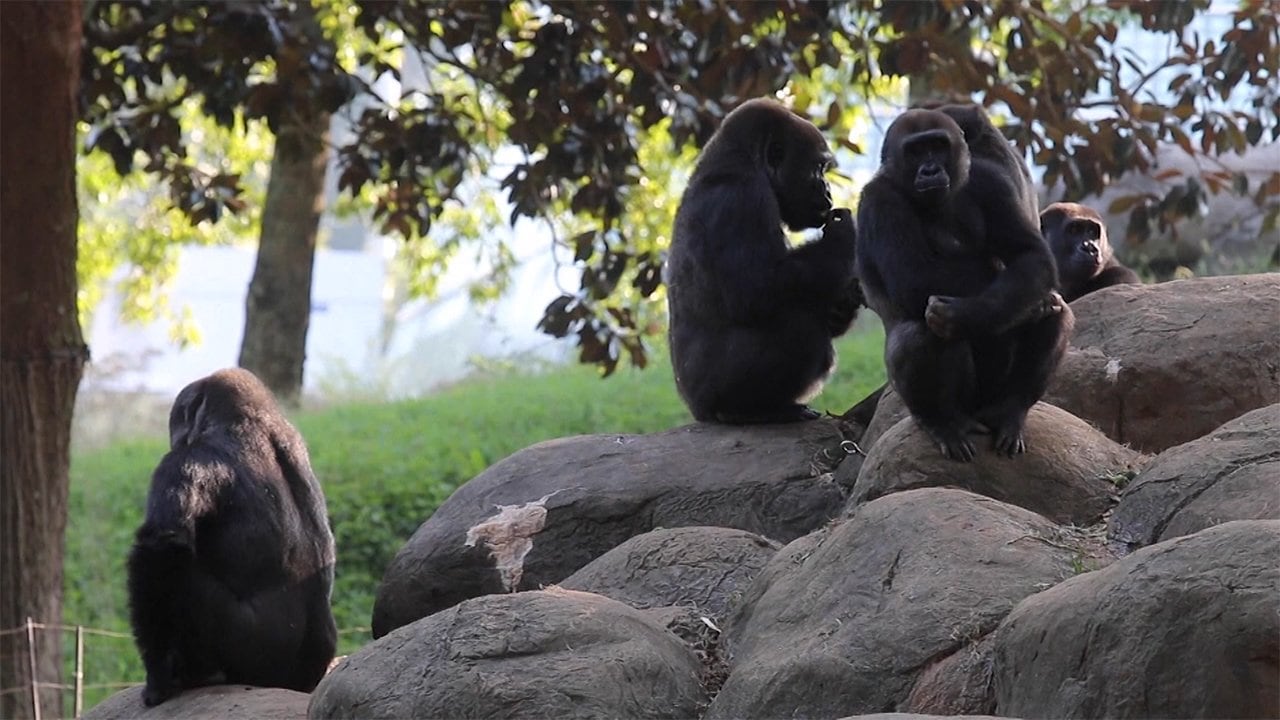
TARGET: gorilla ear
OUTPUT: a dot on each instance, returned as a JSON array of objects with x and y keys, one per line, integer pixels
[{"x": 773, "y": 153}]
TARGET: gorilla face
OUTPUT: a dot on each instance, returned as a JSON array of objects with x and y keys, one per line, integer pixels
[
  {"x": 926, "y": 156},
  {"x": 1078, "y": 240},
  {"x": 797, "y": 164},
  {"x": 1084, "y": 240}
]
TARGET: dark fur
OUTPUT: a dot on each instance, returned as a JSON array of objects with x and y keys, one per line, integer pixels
[
  {"x": 751, "y": 318},
  {"x": 985, "y": 141},
  {"x": 230, "y": 573},
  {"x": 1078, "y": 237},
  {"x": 958, "y": 272}
]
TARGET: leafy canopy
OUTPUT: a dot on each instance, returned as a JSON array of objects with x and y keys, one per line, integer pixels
[{"x": 603, "y": 102}]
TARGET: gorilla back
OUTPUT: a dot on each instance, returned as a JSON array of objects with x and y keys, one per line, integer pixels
[
  {"x": 751, "y": 318},
  {"x": 230, "y": 573}
]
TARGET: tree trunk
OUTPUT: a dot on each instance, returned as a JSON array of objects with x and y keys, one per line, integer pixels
[
  {"x": 42, "y": 352},
  {"x": 278, "y": 307}
]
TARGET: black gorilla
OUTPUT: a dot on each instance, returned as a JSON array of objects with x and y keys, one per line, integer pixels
[
  {"x": 230, "y": 573},
  {"x": 985, "y": 142},
  {"x": 751, "y": 318},
  {"x": 958, "y": 272},
  {"x": 1078, "y": 238}
]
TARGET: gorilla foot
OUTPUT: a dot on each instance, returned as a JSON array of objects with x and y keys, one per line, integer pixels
[
  {"x": 953, "y": 439},
  {"x": 1006, "y": 430},
  {"x": 153, "y": 695},
  {"x": 775, "y": 416}
]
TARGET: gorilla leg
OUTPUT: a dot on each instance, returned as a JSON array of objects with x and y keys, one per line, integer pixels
[
  {"x": 159, "y": 572},
  {"x": 936, "y": 380},
  {"x": 255, "y": 639},
  {"x": 766, "y": 375},
  {"x": 1037, "y": 348}
]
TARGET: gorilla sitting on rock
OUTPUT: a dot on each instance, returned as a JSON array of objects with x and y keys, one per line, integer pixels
[
  {"x": 230, "y": 574},
  {"x": 751, "y": 318}
]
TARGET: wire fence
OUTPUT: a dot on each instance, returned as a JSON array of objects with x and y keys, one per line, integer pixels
[{"x": 78, "y": 687}]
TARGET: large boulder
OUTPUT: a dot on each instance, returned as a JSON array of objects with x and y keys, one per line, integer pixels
[
  {"x": 701, "y": 567},
  {"x": 918, "y": 716},
  {"x": 216, "y": 702},
  {"x": 1185, "y": 628},
  {"x": 538, "y": 516},
  {"x": 1065, "y": 474},
  {"x": 1233, "y": 473},
  {"x": 541, "y": 654},
  {"x": 844, "y": 620},
  {"x": 1155, "y": 366}
]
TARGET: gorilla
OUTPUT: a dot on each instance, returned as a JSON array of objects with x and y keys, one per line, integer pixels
[
  {"x": 984, "y": 141},
  {"x": 957, "y": 271},
  {"x": 230, "y": 574},
  {"x": 752, "y": 319},
  {"x": 1078, "y": 238}
]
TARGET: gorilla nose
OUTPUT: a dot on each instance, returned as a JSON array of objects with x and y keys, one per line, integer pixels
[{"x": 1090, "y": 248}]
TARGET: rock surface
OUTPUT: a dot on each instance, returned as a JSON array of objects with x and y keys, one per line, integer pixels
[
  {"x": 541, "y": 654},
  {"x": 216, "y": 702},
  {"x": 888, "y": 412},
  {"x": 1184, "y": 628},
  {"x": 1155, "y": 366},
  {"x": 538, "y": 516},
  {"x": 1063, "y": 475},
  {"x": 1233, "y": 473},
  {"x": 844, "y": 620},
  {"x": 701, "y": 567}
]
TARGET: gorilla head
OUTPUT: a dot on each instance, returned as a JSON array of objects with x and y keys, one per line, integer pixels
[{"x": 1077, "y": 236}]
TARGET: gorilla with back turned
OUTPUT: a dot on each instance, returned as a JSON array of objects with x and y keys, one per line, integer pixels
[
  {"x": 752, "y": 319},
  {"x": 953, "y": 263},
  {"x": 230, "y": 574}
]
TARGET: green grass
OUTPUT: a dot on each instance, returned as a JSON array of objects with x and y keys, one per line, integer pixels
[{"x": 385, "y": 468}]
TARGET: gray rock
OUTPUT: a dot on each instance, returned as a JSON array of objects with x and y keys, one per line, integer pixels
[
  {"x": 1233, "y": 473},
  {"x": 919, "y": 716},
  {"x": 844, "y": 620},
  {"x": 1064, "y": 474},
  {"x": 1187, "y": 628},
  {"x": 702, "y": 567},
  {"x": 1155, "y": 366},
  {"x": 216, "y": 702},
  {"x": 538, "y": 516},
  {"x": 889, "y": 411},
  {"x": 958, "y": 684},
  {"x": 541, "y": 654}
]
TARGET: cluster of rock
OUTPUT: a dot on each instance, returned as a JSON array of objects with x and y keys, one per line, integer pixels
[{"x": 1127, "y": 566}]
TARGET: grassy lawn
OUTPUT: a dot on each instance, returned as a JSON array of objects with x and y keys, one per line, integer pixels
[{"x": 385, "y": 468}]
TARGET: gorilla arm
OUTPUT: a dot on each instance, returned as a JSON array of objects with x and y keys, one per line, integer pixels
[
  {"x": 1022, "y": 289},
  {"x": 164, "y": 555},
  {"x": 763, "y": 273}
]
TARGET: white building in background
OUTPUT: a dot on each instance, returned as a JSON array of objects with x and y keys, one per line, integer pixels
[{"x": 349, "y": 348}]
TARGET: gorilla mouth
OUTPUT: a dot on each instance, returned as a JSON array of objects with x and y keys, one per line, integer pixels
[{"x": 932, "y": 184}]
